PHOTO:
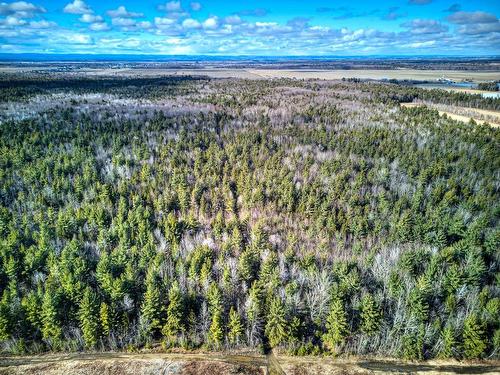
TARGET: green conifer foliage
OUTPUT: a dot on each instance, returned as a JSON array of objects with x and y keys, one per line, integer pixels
[
  {"x": 216, "y": 333},
  {"x": 277, "y": 324},
  {"x": 175, "y": 310},
  {"x": 152, "y": 305},
  {"x": 370, "y": 314},
  {"x": 473, "y": 338},
  {"x": 50, "y": 317},
  {"x": 89, "y": 318},
  {"x": 337, "y": 328},
  {"x": 235, "y": 327}
]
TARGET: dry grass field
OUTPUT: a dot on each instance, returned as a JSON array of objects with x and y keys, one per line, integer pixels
[
  {"x": 463, "y": 114},
  {"x": 222, "y": 364},
  {"x": 412, "y": 74},
  {"x": 248, "y": 73}
]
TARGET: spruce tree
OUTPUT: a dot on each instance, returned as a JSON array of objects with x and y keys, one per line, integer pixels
[
  {"x": 473, "y": 337},
  {"x": 5, "y": 316},
  {"x": 50, "y": 317},
  {"x": 277, "y": 326},
  {"x": 216, "y": 334},
  {"x": 152, "y": 307},
  {"x": 337, "y": 327},
  {"x": 370, "y": 315},
  {"x": 106, "y": 319},
  {"x": 175, "y": 310},
  {"x": 89, "y": 318},
  {"x": 448, "y": 343},
  {"x": 235, "y": 327}
]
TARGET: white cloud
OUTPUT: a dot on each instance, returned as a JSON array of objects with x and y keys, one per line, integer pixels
[
  {"x": 20, "y": 6},
  {"x": 77, "y": 7},
  {"x": 43, "y": 24},
  {"x": 196, "y": 6},
  {"x": 78, "y": 38},
  {"x": 90, "y": 18},
  {"x": 13, "y": 21},
  {"x": 122, "y": 12},
  {"x": 211, "y": 23},
  {"x": 190, "y": 23},
  {"x": 162, "y": 22},
  {"x": 144, "y": 25},
  {"x": 266, "y": 24},
  {"x": 233, "y": 20},
  {"x": 424, "y": 26},
  {"x": 422, "y": 44},
  {"x": 174, "y": 41},
  {"x": 171, "y": 6},
  {"x": 99, "y": 26},
  {"x": 127, "y": 22},
  {"x": 472, "y": 17},
  {"x": 480, "y": 28}
]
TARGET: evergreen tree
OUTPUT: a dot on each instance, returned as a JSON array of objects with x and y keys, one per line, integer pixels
[
  {"x": 89, "y": 318},
  {"x": 5, "y": 316},
  {"x": 448, "y": 343},
  {"x": 235, "y": 327},
  {"x": 337, "y": 327},
  {"x": 152, "y": 307},
  {"x": 277, "y": 325},
  {"x": 105, "y": 318},
  {"x": 473, "y": 338},
  {"x": 175, "y": 310},
  {"x": 216, "y": 334},
  {"x": 370, "y": 315},
  {"x": 50, "y": 317}
]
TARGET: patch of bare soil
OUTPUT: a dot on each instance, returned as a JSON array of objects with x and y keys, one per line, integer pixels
[{"x": 209, "y": 367}]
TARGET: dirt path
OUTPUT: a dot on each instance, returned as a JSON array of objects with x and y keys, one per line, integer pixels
[
  {"x": 222, "y": 364},
  {"x": 273, "y": 366}
]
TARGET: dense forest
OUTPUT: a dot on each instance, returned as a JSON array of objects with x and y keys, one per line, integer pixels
[{"x": 310, "y": 216}]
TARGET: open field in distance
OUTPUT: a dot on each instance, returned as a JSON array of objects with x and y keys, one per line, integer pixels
[
  {"x": 252, "y": 73},
  {"x": 464, "y": 114}
]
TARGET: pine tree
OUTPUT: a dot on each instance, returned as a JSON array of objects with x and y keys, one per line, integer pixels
[
  {"x": 235, "y": 327},
  {"x": 277, "y": 326},
  {"x": 214, "y": 298},
  {"x": 106, "y": 319},
  {"x": 448, "y": 343},
  {"x": 413, "y": 344},
  {"x": 337, "y": 327},
  {"x": 50, "y": 318},
  {"x": 89, "y": 318},
  {"x": 175, "y": 310},
  {"x": 370, "y": 315},
  {"x": 474, "y": 341},
  {"x": 151, "y": 308},
  {"x": 5, "y": 316},
  {"x": 216, "y": 333},
  {"x": 248, "y": 265},
  {"x": 31, "y": 306}
]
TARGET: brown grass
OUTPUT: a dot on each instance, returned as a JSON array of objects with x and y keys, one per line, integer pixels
[{"x": 495, "y": 122}]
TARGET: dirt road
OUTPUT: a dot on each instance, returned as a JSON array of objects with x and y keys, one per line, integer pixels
[{"x": 222, "y": 364}]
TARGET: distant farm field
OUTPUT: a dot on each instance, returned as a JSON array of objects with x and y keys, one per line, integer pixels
[
  {"x": 464, "y": 114},
  {"x": 334, "y": 74},
  {"x": 412, "y": 74}
]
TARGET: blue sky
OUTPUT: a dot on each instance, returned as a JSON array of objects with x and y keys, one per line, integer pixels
[{"x": 279, "y": 27}]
